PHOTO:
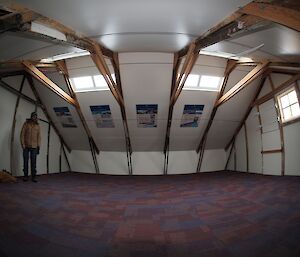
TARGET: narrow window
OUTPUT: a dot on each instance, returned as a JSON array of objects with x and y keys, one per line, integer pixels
[{"x": 289, "y": 105}]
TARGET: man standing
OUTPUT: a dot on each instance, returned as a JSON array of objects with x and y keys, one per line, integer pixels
[{"x": 31, "y": 141}]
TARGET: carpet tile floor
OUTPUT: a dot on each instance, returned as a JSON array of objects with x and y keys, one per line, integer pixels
[{"x": 220, "y": 214}]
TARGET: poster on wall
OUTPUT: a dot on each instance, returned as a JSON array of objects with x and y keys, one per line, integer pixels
[
  {"x": 191, "y": 115},
  {"x": 146, "y": 115},
  {"x": 65, "y": 117},
  {"x": 102, "y": 116}
]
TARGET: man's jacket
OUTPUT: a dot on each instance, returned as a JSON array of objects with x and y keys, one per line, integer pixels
[{"x": 31, "y": 134}]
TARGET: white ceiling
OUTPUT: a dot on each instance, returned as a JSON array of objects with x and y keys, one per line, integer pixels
[
  {"x": 122, "y": 24},
  {"x": 149, "y": 26}
]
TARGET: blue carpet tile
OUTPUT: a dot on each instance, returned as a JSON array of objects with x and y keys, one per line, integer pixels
[{"x": 220, "y": 214}]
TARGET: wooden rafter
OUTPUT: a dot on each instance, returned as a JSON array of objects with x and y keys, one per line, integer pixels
[
  {"x": 279, "y": 120},
  {"x": 116, "y": 90},
  {"x": 12, "y": 136},
  {"x": 18, "y": 93},
  {"x": 182, "y": 76},
  {"x": 43, "y": 107},
  {"x": 247, "y": 112},
  {"x": 286, "y": 15},
  {"x": 178, "y": 81},
  {"x": 231, "y": 64},
  {"x": 61, "y": 66},
  {"x": 4, "y": 74},
  {"x": 41, "y": 77},
  {"x": 277, "y": 90},
  {"x": 176, "y": 64},
  {"x": 98, "y": 58},
  {"x": 244, "y": 82},
  {"x": 231, "y": 26},
  {"x": 116, "y": 67}
]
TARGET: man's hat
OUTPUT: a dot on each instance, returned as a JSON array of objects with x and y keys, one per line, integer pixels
[{"x": 33, "y": 114}]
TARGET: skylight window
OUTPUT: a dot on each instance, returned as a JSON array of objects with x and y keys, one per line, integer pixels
[
  {"x": 202, "y": 82},
  {"x": 210, "y": 82},
  {"x": 90, "y": 83},
  {"x": 192, "y": 80},
  {"x": 289, "y": 105},
  {"x": 83, "y": 82},
  {"x": 100, "y": 81}
]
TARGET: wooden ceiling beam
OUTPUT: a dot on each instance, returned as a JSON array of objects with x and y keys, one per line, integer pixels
[
  {"x": 4, "y": 74},
  {"x": 244, "y": 82},
  {"x": 41, "y": 77},
  {"x": 236, "y": 24},
  {"x": 62, "y": 67},
  {"x": 98, "y": 58},
  {"x": 43, "y": 107},
  {"x": 231, "y": 64},
  {"x": 248, "y": 111},
  {"x": 18, "y": 93},
  {"x": 116, "y": 67},
  {"x": 22, "y": 21},
  {"x": 285, "y": 15},
  {"x": 277, "y": 90}
]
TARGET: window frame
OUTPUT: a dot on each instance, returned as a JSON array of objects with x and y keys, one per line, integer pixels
[
  {"x": 90, "y": 89},
  {"x": 207, "y": 89},
  {"x": 282, "y": 94}
]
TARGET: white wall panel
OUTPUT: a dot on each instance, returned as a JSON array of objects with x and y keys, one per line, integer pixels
[
  {"x": 7, "y": 107},
  {"x": 113, "y": 163},
  {"x": 148, "y": 82},
  {"x": 254, "y": 142},
  {"x": 107, "y": 139},
  {"x": 292, "y": 149},
  {"x": 278, "y": 79},
  {"x": 265, "y": 89},
  {"x": 54, "y": 152},
  {"x": 271, "y": 140},
  {"x": 268, "y": 116},
  {"x": 229, "y": 115},
  {"x": 75, "y": 137},
  {"x": 230, "y": 165},
  {"x": 272, "y": 164},
  {"x": 82, "y": 161},
  {"x": 213, "y": 160},
  {"x": 189, "y": 138},
  {"x": 182, "y": 162},
  {"x": 147, "y": 163},
  {"x": 241, "y": 155}
]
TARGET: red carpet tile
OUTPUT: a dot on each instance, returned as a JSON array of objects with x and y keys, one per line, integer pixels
[{"x": 221, "y": 214}]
